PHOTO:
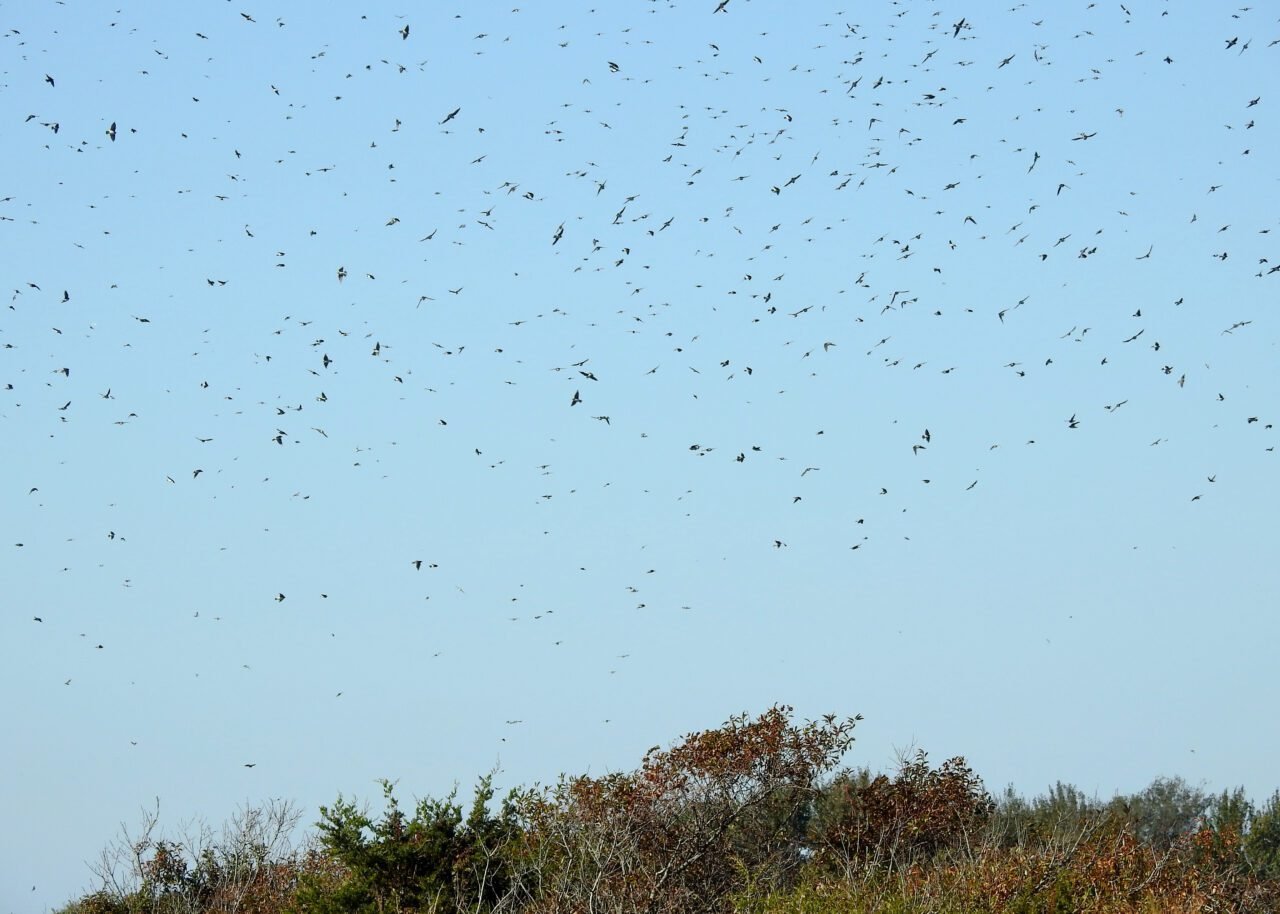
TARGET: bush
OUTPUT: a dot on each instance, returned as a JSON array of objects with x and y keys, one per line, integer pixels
[
  {"x": 903, "y": 820},
  {"x": 432, "y": 860},
  {"x": 248, "y": 868},
  {"x": 691, "y": 828}
]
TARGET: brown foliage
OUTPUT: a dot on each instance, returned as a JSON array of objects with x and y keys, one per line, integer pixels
[
  {"x": 250, "y": 868},
  {"x": 686, "y": 831},
  {"x": 745, "y": 817},
  {"x": 905, "y": 819}
]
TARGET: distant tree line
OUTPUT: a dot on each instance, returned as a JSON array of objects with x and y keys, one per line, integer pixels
[{"x": 756, "y": 816}]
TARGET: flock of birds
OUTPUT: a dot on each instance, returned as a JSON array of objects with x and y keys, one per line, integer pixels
[{"x": 343, "y": 315}]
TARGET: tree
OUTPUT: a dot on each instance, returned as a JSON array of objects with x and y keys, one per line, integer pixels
[
  {"x": 1164, "y": 811},
  {"x": 249, "y": 867},
  {"x": 899, "y": 821},
  {"x": 431, "y": 859},
  {"x": 1262, "y": 843},
  {"x": 688, "y": 830},
  {"x": 1054, "y": 817}
]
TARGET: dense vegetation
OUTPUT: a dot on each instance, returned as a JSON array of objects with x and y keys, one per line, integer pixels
[{"x": 754, "y": 817}]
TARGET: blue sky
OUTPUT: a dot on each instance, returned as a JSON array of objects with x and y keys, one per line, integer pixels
[{"x": 863, "y": 321}]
